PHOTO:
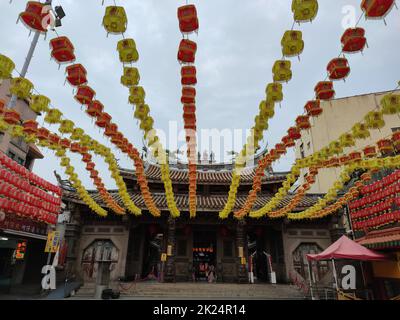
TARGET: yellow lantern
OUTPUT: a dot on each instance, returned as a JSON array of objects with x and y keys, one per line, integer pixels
[
  {"x": 66, "y": 126},
  {"x": 282, "y": 71},
  {"x": 17, "y": 131},
  {"x": 115, "y": 20},
  {"x": 274, "y": 92},
  {"x": 374, "y": 120},
  {"x": 304, "y": 10},
  {"x": 6, "y": 67},
  {"x": 292, "y": 43},
  {"x": 335, "y": 148},
  {"x": 131, "y": 77},
  {"x": 77, "y": 134},
  {"x": 137, "y": 95},
  {"x": 53, "y": 116},
  {"x": 39, "y": 103},
  {"x": 390, "y": 104},
  {"x": 21, "y": 87},
  {"x": 346, "y": 140},
  {"x": 141, "y": 111},
  {"x": 360, "y": 131},
  {"x": 267, "y": 109},
  {"x": 127, "y": 51},
  {"x": 147, "y": 124}
]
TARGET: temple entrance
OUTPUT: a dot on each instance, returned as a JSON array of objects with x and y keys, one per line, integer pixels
[
  {"x": 258, "y": 256},
  {"x": 152, "y": 252},
  {"x": 204, "y": 255}
]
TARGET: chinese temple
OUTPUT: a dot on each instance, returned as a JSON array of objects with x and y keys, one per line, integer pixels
[{"x": 176, "y": 250}]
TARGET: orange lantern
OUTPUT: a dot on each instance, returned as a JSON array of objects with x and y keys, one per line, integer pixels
[
  {"x": 103, "y": 120},
  {"x": 90, "y": 166},
  {"x": 344, "y": 160},
  {"x": 94, "y": 174},
  {"x": 86, "y": 157},
  {"x": 353, "y": 40},
  {"x": 33, "y": 16},
  {"x": 324, "y": 90},
  {"x": 95, "y": 108},
  {"x": 187, "y": 51},
  {"x": 303, "y": 122},
  {"x": 338, "y": 69},
  {"x": 76, "y": 74},
  {"x": 85, "y": 94},
  {"x": 188, "y": 74},
  {"x": 274, "y": 154},
  {"x": 54, "y": 139},
  {"x": 75, "y": 147},
  {"x": 280, "y": 148},
  {"x": 30, "y": 126},
  {"x": 355, "y": 156},
  {"x": 313, "y": 171},
  {"x": 65, "y": 143},
  {"x": 117, "y": 138},
  {"x": 12, "y": 116},
  {"x": 313, "y": 108},
  {"x": 62, "y": 50},
  {"x": 188, "y": 95},
  {"x": 370, "y": 152},
  {"x": 310, "y": 179},
  {"x": 189, "y": 108},
  {"x": 188, "y": 21}
]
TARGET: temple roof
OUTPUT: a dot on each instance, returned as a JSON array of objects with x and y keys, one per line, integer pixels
[
  {"x": 212, "y": 203},
  {"x": 216, "y": 174}
]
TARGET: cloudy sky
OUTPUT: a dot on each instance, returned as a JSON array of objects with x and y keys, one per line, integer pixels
[{"x": 238, "y": 42}]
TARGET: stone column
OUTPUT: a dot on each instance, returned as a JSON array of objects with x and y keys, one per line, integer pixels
[
  {"x": 241, "y": 242},
  {"x": 72, "y": 236},
  {"x": 171, "y": 243}
]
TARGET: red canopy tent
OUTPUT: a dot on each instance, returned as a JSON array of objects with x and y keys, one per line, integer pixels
[{"x": 345, "y": 248}]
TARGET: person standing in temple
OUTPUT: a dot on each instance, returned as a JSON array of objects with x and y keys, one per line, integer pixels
[{"x": 211, "y": 274}]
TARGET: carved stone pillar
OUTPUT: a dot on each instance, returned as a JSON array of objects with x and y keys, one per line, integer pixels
[
  {"x": 241, "y": 251},
  {"x": 171, "y": 245},
  {"x": 72, "y": 236}
]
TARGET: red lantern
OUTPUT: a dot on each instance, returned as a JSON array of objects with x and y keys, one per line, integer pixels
[
  {"x": 30, "y": 126},
  {"x": 76, "y": 75},
  {"x": 94, "y": 174},
  {"x": 2, "y": 106},
  {"x": 294, "y": 133},
  {"x": 303, "y": 122},
  {"x": 189, "y": 108},
  {"x": 43, "y": 134},
  {"x": 111, "y": 130},
  {"x": 95, "y": 108},
  {"x": 288, "y": 142},
  {"x": 344, "y": 159},
  {"x": 355, "y": 156},
  {"x": 188, "y": 74},
  {"x": 313, "y": 108},
  {"x": 75, "y": 147},
  {"x": 353, "y": 40},
  {"x": 188, "y": 95},
  {"x": 280, "y": 148},
  {"x": 85, "y": 94},
  {"x": 310, "y": 179},
  {"x": 103, "y": 120},
  {"x": 189, "y": 118},
  {"x": 187, "y": 51},
  {"x": 274, "y": 155},
  {"x": 62, "y": 50},
  {"x": 54, "y": 139},
  {"x": 188, "y": 21},
  {"x": 90, "y": 166},
  {"x": 86, "y": 157},
  {"x": 324, "y": 90},
  {"x": 385, "y": 146},
  {"x": 12, "y": 116},
  {"x": 338, "y": 69},
  {"x": 34, "y": 15},
  {"x": 375, "y": 9},
  {"x": 369, "y": 152},
  {"x": 65, "y": 143},
  {"x": 396, "y": 140},
  {"x": 117, "y": 138}
]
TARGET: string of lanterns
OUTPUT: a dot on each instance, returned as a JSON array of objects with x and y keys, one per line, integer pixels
[
  {"x": 188, "y": 23},
  {"x": 30, "y": 137},
  {"x": 292, "y": 45},
  {"x": 115, "y": 21},
  {"x": 353, "y": 40}
]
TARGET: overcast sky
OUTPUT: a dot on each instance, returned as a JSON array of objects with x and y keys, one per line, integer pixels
[{"x": 238, "y": 42}]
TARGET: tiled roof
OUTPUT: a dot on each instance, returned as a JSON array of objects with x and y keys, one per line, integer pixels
[
  {"x": 153, "y": 173},
  {"x": 382, "y": 239},
  {"x": 205, "y": 203}
]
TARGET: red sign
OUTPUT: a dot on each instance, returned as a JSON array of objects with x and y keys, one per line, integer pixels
[{"x": 16, "y": 223}]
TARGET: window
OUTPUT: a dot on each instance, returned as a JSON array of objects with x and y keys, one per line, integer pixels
[
  {"x": 396, "y": 129},
  {"x": 20, "y": 161},
  {"x": 302, "y": 151},
  {"x": 309, "y": 146}
]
